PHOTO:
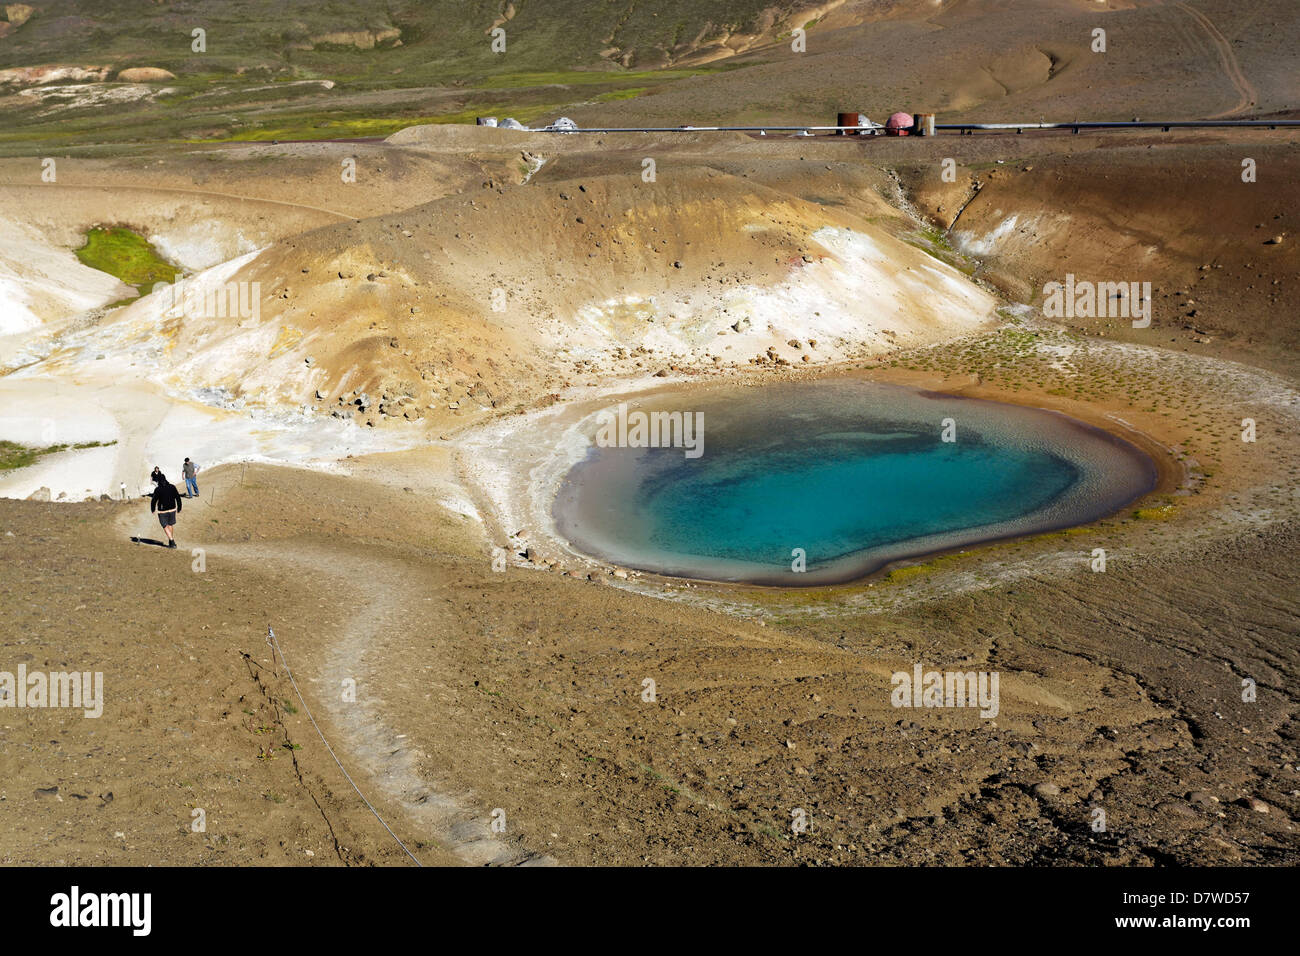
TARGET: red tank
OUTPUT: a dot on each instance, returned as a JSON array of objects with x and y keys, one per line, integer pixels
[{"x": 900, "y": 124}]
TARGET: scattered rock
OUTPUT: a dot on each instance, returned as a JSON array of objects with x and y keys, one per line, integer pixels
[
  {"x": 1254, "y": 803},
  {"x": 39, "y": 75},
  {"x": 18, "y": 13},
  {"x": 145, "y": 74}
]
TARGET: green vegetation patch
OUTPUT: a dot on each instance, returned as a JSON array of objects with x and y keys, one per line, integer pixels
[
  {"x": 14, "y": 456},
  {"x": 531, "y": 80},
  {"x": 127, "y": 255},
  {"x": 912, "y": 571},
  {"x": 904, "y": 574},
  {"x": 338, "y": 126},
  {"x": 1156, "y": 513},
  {"x": 614, "y": 96},
  {"x": 935, "y": 242}
]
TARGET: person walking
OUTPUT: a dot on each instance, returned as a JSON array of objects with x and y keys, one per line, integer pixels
[
  {"x": 166, "y": 503},
  {"x": 190, "y": 472}
]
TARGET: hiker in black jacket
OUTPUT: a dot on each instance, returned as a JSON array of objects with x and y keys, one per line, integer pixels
[{"x": 166, "y": 502}]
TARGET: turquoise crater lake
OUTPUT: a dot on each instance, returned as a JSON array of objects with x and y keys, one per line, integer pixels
[{"x": 853, "y": 473}]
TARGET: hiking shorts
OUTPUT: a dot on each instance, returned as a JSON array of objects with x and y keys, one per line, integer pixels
[{"x": 166, "y": 518}]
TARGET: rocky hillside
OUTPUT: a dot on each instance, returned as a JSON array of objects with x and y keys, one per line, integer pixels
[
  {"x": 1220, "y": 253},
  {"x": 501, "y": 296}
]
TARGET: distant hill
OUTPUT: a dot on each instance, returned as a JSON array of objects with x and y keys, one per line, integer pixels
[
  {"x": 427, "y": 40},
  {"x": 300, "y": 69}
]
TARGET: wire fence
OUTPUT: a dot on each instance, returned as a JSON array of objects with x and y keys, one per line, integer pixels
[{"x": 274, "y": 642}]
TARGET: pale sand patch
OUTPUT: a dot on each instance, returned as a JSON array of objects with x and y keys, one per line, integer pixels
[
  {"x": 151, "y": 428},
  {"x": 862, "y": 292},
  {"x": 512, "y": 467},
  {"x": 42, "y": 284},
  {"x": 197, "y": 244}
]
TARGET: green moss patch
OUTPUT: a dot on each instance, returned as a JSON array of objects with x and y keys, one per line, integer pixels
[
  {"x": 1157, "y": 513},
  {"x": 14, "y": 456},
  {"x": 127, "y": 255}
]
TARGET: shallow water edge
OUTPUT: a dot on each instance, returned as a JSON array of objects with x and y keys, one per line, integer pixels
[{"x": 592, "y": 514}]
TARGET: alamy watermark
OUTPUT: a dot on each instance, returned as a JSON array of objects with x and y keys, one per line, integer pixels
[
  {"x": 946, "y": 689},
  {"x": 129, "y": 910},
  {"x": 78, "y": 690},
  {"x": 230, "y": 300},
  {"x": 1084, "y": 299},
  {"x": 637, "y": 429}
]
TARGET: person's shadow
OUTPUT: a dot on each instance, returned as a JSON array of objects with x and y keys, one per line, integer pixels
[{"x": 137, "y": 540}]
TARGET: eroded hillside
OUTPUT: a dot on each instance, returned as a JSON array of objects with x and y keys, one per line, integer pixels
[
  {"x": 501, "y": 295},
  {"x": 1219, "y": 250}
]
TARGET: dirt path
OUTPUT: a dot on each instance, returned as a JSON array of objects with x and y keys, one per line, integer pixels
[
  {"x": 1231, "y": 68},
  {"x": 392, "y": 599},
  {"x": 114, "y": 187}
]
